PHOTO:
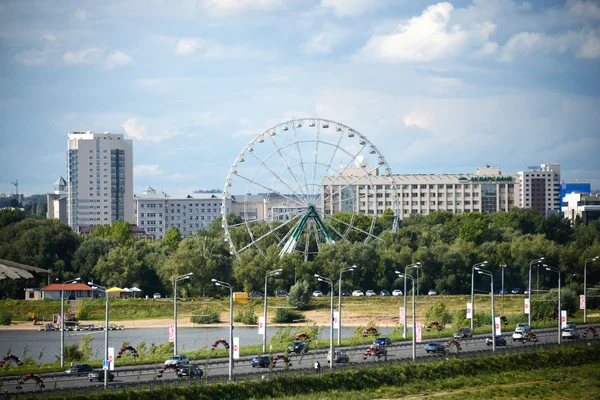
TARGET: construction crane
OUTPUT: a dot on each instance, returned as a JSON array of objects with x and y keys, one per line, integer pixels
[{"x": 16, "y": 183}]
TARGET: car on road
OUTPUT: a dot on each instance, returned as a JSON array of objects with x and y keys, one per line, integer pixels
[
  {"x": 79, "y": 369},
  {"x": 571, "y": 325},
  {"x": 520, "y": 331},
  {"x": 463, "y": 333},
  {"x": 397, "y": 292},
  {"x": 500, "y": 341},
  {"x": 384, "y": 293},
  {"x": 260, "y": 361},
  {"x": 503, "y": 291},
  {"x": 156, "y": 296},
  {"x": 357, "y": 293},
  {"x": 298, "y": 347},
  {"x": 432, "y": 293},
  {"x": 281, "y": 293},
  {"x": 178, "y": 360},
  {"x": 516, "y": 291},
  {"x": 371, "y": 293},
  {"x": 569, "y": 333},
  {"x": 190, "y": 371},
  {"x": 317, "y": 293},
  {"x": 435, "y": 347},
  {"x": 98, "y": 375},
  {"x": 345, "y": 293},
  {"x": 339, "y": 357},
  {"x": 256, "y": 293},
  {"x": 383, "y": 341}
]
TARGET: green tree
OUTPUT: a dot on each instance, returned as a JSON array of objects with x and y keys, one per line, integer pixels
[{"x": 299, "y": 295}]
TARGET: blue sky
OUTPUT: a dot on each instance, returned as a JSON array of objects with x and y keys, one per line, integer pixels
[{"x": 439, "y": 87}]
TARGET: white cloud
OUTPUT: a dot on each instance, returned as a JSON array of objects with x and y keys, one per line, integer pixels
[
  {"x": 86, "y": 56},
  {"x": 80, "y": 15},
  {"x": 147, "y": 170},
  {"x": 117, "y": 59},
  {"x": 48, "y": 37},
  {"x": 214, "y": 50},
  {"x": 138, "y": 131},
  {"x": 590, "y": 48},
  {"x": 326, "y": 40},
  {"x": 525, "y": 44},
  {"x": 429, "y": 37},
  {"x": 584, "y": 9},
  {"x": 228, "y": 7},
  {"x": 32, "y": 57},
  {"x": 419, "y": 119},
  {"x": 345, "y": 8}
]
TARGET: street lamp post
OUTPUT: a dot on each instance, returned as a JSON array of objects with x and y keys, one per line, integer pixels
[
  {"x": 481, "y": 264},
  {"x": 488, "y": 273},
  {"x": 410, "y": 266},
  {"x": 414, "y": 317},
  {"x": 339, "y": 333},
  {"x": 559, "y": 316},
  {"x": 585, "y": 287},
  {"x": 539, "y": 260},
  {"x": 227, "y": 285},
  {"x": 502, "y": 266},
  {"x": 177, "y": 279},
  {"x": 103, "y": 289},
  {"x": 62, "y": 321},
  {"x": 271, "y": 273},
  {"x": 331, "y": 349}
]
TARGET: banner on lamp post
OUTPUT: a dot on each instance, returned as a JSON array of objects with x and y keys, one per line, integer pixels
[
  {"x": 402, "y": 311},
  {"x": 582, "y": 302},
  {"x": 261, "y": 325},
  {"x": 111, "y": 358},
  {"x": 236, "y": 348},
  {"x": 336, "y": 320},
  {"x": 469, "y": 311},
  {"x": 419, "y": 330},
  {"x": 526, "y": 306},
  {"x": 563, "y": 318},
  {"x": 171, "y": 333},
  {"x": 498, "y": 326}
]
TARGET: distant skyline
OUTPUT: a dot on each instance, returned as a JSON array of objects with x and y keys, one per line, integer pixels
[{"x": 438, "y": 87}]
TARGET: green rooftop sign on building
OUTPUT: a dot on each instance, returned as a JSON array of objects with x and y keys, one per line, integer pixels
[{"x": 491, "y": 179}]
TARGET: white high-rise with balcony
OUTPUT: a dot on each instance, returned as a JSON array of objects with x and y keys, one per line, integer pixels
[{"x": 100, "y": 179}]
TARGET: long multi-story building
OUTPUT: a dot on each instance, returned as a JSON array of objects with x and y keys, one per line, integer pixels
[
  {"x": 540, "y": 188},
  {"x": 100, "y": 179}
]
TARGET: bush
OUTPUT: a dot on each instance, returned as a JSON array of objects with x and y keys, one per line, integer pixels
[
  {"x": 246, "y": 317},
  {"x": 299, "y": 296},
  {"x": 83, "y": 313},
  {"x": 459, "y": 319},
  {"x": 543, "y": 306},
  {"x": 205, "y": 315},
  {"x": 286, "y": 315},
  {"x": 438, "y": 312},
  {"x": 5, "y": 317}
]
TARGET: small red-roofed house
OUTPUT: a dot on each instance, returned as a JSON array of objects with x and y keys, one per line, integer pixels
[{"x": 73, "y": 291}]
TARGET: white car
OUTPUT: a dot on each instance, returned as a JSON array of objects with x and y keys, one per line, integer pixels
[
  {"x": 371, "y": 293},
  {"x": 569, "y": 333},
  {"x": 520, "y": 331},
  {"x": 397, "y": 292},
  {"x": 156, "y": 296},
  {"x": 178, "y": 360},
  {"x": 317, "y": 293},
  {"x": 432, "y": 293},
  {"x": 357, "y": 293}
]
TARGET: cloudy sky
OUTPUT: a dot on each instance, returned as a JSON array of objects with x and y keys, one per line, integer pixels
[{"x": 439, "y": 87}]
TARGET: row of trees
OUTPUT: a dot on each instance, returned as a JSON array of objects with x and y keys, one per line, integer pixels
[{"x": 446, "y": 244}]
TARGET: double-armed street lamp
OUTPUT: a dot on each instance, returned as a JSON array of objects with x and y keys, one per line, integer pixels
[
  {"x": 537, "y": 261},
  {"x": 62, "y": 321},
  {"x": 559, "y": 311},
  {"x": 414, "y": 313},
  {"x": 475, "y": 266},
  {"x": 103, "y": 289},
  {"x": 410, "y": 266},
  {"x": 585, "y": 286},
  {"x": 177, "y": 279},
  {"x": 332, "y": 354},
  {"x": 339, "y": 333},
  {"x": 488, "y": 273},
  {"x": 227, "y": 285},
  {"x": 268, "y": 274}
]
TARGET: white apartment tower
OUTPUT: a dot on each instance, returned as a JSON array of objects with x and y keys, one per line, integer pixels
[
  {"x": 540, "y": 188},
  {"x": 100, "y": 179}
]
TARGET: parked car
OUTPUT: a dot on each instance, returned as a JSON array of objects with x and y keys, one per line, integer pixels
[
  {"x": 500, "y": 341},
  {"x": 516, "y": 291},
  {"x": 281, "y": 293},
  {"x": 98, "y": 375},
  {"x": 569, "y": 333},
  {"x": 256, "y": 293},
  {"x": 345, "y": 293},
  {"x": 463, "y": 333},
  {"x": 383, "y": 341},
  {"x": 435, "y": 347},
  {"x": 432, "y": 293},
  {"x": 384, "y": 293},
  {"x": 298, "y": 347},
  {"x": 156, "y": 296},
  {"x": 397, "y": 292},
  {"x": 526, "y": 292},
  {"x": 357, "y": 293},
  {"x": 339, "y": 357},
  {"x": 503, "y": 291},
  {"x": 178, "y": 360},
  {"x": 79, "y": 369},
  {"x": 317, "y": 293},
  {"x": 520, "y": 331},
  {"x": 262, "y": 361},
  {"x": 371, "y": 293},
  {"x": 190, "y": 371}
]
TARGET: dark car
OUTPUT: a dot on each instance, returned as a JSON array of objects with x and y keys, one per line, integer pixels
[
  {"x": 500, "y": 341},
  {"x": 256, "y": 293},
  {"x": 298, "y": 347},
  {"x": 98, "y": 375},
  {"x": 503, "y": 291},
  {"x": 516, "y": 290},
  {"x": 340, "y": 357},
  {"x": 281, "y": 293},
  {"x": 345, "y": 293},
  {"x": 463, "y": 333},
  {"x": 384, "y": 293},
  {"x": 383, "y": 341},
  {"x": 190, "y": 371},
  {"x": 435, "y": 347},
  {"x": 261, "y": 361},
  {"x": 79, "y": 369}
]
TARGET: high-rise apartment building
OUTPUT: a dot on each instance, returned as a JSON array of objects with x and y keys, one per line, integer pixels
[
  {"x": 100, "y": 179},
  {"x": 540, "y": 188}
]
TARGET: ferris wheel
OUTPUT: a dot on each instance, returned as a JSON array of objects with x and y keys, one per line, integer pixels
[{"x": 307, "y": 182}]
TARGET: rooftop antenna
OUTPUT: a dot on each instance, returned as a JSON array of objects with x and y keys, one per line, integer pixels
[{"x": 16, "y": 183}]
